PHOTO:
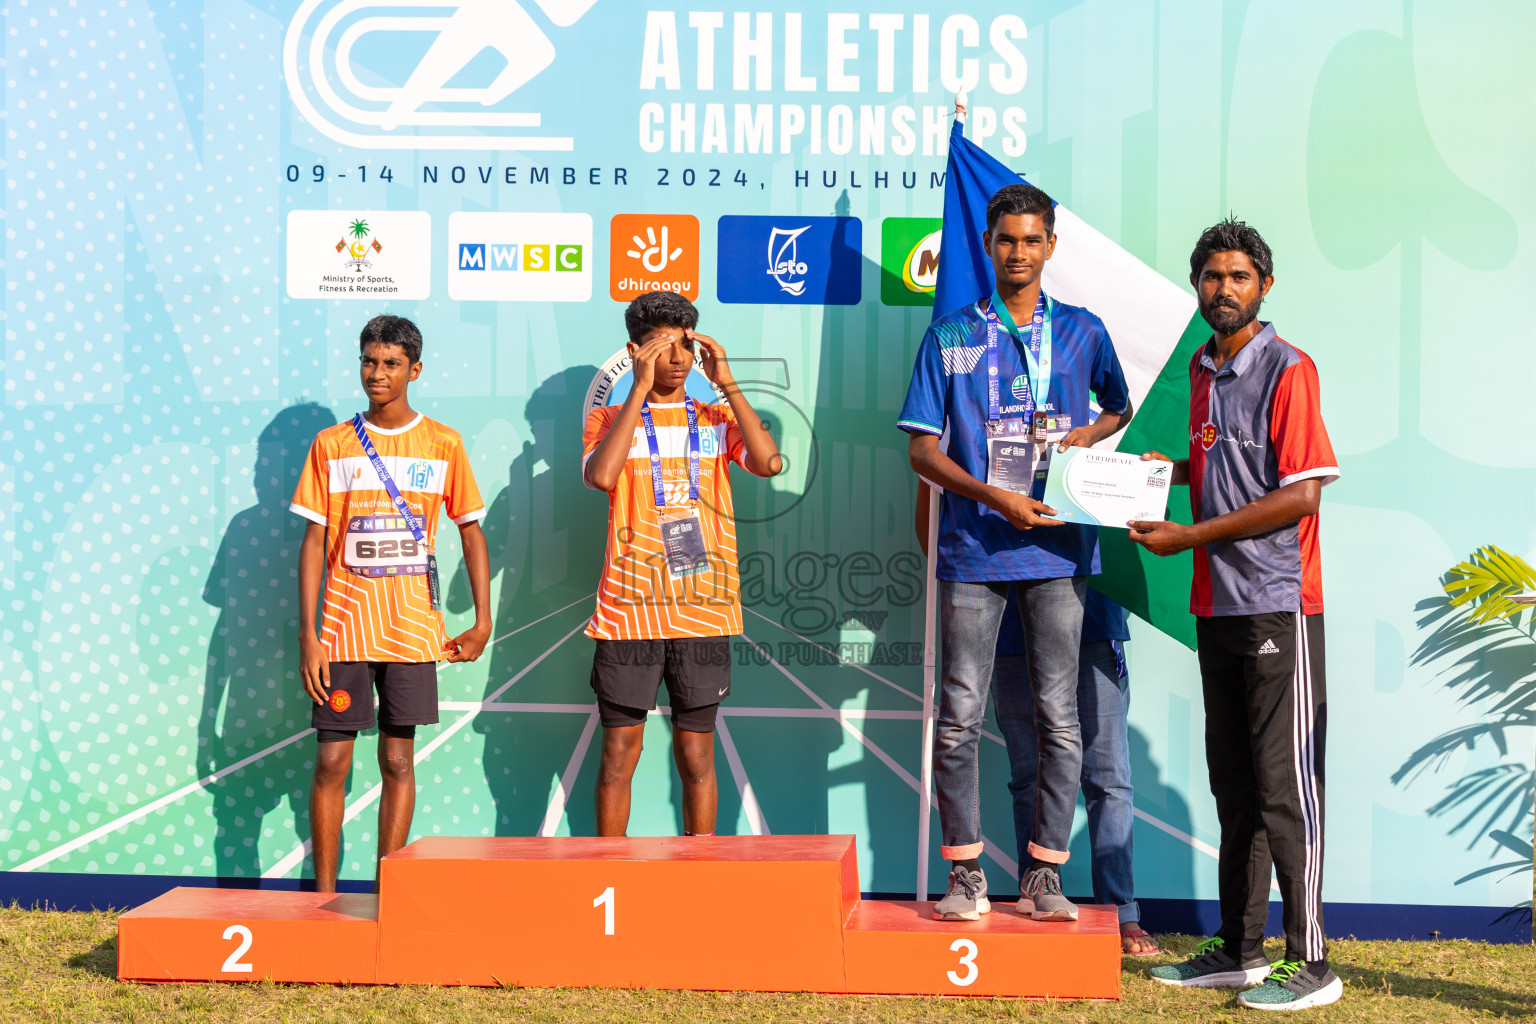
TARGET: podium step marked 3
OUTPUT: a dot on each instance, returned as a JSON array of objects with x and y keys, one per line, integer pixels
[
  {"x": 753, "y": 913},
  {"x": 899, "y": 949}
]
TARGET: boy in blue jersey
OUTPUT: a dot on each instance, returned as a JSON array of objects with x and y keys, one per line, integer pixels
[
  {"x": 1103, "y": 710},
  {"x": 1008, "y": 396}
]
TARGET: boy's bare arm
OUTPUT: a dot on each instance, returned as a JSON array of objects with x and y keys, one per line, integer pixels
[
  {"x": 470, "y": 644},
  {"x": 763, "y": 458},
  {"x": 314, "y": 665},
  {"x": 607, "y": 460}
]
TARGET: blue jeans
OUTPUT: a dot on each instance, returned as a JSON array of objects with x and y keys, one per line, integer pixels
[
  {"x": 1103, "y": 702},
  {"x": 969, "y": 615}
]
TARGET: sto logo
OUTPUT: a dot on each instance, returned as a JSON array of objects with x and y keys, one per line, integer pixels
[
  {"x": 346, "y": 102},
  {"x": 340, "y": 701}
]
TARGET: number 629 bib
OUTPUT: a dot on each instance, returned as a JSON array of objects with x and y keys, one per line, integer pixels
[{"x": 382, "y": 546}]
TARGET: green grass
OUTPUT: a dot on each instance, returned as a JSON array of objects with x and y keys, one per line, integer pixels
[{"x": 61, "y": 967}]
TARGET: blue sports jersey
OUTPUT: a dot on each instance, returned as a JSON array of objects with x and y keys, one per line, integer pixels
[
  {"x": 949, "y": 390},
  {"x": 1103, "y": 619}
]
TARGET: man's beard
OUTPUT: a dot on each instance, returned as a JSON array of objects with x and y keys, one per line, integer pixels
[{"x": 1227, "y": 318}]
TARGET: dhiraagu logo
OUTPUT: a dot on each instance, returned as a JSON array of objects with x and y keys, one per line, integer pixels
[
  {"x": 360, "y": 72},
  {"x": 520, "y": 257},
  {"x": 909, "y": 260}
]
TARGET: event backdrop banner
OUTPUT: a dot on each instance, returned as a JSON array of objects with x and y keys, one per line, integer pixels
[{"x": 207, "y": 199}]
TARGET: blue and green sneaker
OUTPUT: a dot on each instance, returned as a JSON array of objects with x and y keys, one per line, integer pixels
[
  {"x": 1213, "y": 967},
  {"x": 1291, "y": 985}
]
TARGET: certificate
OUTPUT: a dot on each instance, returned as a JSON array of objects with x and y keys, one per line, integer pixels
[{"x": 1107, "y": 488}]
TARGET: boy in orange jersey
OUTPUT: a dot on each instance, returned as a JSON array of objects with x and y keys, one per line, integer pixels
[
  {"x": 376, "y": 485},
  {"x": 669, "y": 599}
]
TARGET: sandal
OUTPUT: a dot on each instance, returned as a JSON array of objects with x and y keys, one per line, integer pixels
[{"x": 1131, "y": 935}]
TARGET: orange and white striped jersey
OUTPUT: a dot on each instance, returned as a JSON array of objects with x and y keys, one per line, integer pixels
[
  {"x": 637, "y": 598},
  {"x": 377, "y": 606}
]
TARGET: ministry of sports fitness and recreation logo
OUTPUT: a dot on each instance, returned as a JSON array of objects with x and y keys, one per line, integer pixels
[
  {"x": 357, "y": 72},
  {"x": 345, "y": 255},
  {"x": 355, "y": 244}
]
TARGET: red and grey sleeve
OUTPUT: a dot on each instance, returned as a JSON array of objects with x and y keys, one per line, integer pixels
[{"x": 1296, "y": 427}]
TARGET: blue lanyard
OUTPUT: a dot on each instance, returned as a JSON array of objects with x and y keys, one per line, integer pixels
[
  {"x": 693, "y": 452},
  {"x": 387, "y": 480},
  {"x": 1039, "y": 371}
]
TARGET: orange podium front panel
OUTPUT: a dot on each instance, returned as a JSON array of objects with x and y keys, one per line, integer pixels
[
  {"x": 899, "y": 949},
  {"x": 250, "y": 935},
  {"x": 730, "y": 912}
]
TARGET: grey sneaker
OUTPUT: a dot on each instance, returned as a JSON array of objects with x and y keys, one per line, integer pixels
[
  {"x": 1291, "y": 985},
  {"x": 1040, "y": 897},
  {"x": 1213, "y": 967},
  {"x": 966, "y": 899}
]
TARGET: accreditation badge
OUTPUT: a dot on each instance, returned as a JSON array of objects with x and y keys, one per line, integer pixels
[
  {"x": 376, "y": 546},
  {"x": 682, "y": 541},
  {"x": 1011, "y": 455}
]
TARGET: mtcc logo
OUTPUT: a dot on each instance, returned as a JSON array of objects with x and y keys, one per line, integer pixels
[
  {"x": 357, "y": 72},
  {"x": 784, "y": 264}
]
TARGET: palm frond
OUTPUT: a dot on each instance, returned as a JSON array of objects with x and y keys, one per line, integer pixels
[{"x": 1486, "y": 581}]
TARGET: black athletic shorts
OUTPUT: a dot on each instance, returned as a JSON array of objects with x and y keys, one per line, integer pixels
[
  {"x": 617, "y": 716},
  {"x": 407, "y": 695},
  {"x": 697, "y": 671}
]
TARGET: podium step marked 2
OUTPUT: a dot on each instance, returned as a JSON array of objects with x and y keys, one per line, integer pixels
[
  {"x": 250, "y": 935},
  {"x": 752, "y": 913}
]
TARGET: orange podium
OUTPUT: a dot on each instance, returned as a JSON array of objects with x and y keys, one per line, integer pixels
[
  {"x": 899, "y": 949},
  {"x": 754, "y": 913},
  {"x": 248, "y": 935},
  {"x": 699, "y": 912}
]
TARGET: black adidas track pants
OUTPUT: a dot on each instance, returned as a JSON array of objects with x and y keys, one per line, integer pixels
[{"x": 1266, "y": 715}]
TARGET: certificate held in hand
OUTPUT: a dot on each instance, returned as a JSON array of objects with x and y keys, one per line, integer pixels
[{"x": 1107, "y": 488}]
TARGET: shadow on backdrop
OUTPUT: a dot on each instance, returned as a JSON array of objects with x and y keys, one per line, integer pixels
[
  {"x": 252, "y": 697},
  {"x": 804, "y": 562},
  {"x": 538, "y": 522},
  {"x": 1165, "y": 863}
]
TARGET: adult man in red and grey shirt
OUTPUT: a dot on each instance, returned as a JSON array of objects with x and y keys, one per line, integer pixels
[{"x": 1259, "y": 457}]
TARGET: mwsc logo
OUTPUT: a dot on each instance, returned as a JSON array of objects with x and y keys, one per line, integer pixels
[
  {"x": 336, "y": 52},
  {"x": 513, "y": 257},
  {"x": 520, "y": 257}
]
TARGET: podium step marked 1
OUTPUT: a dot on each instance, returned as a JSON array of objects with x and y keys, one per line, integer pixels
[{"x": 753, "y": 913}]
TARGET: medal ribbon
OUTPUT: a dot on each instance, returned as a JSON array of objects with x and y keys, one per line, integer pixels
[
  {"x": 400, "y": 506},
  {"x": 387, "y": 480},
  {"x": 1039, "y": 370},
  {"x": 693, "y": 452}
]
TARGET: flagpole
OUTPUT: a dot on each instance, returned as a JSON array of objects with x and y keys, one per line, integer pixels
[
  {"x": 930, "y": 693},
  {"x": 930, "y": 662}
]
